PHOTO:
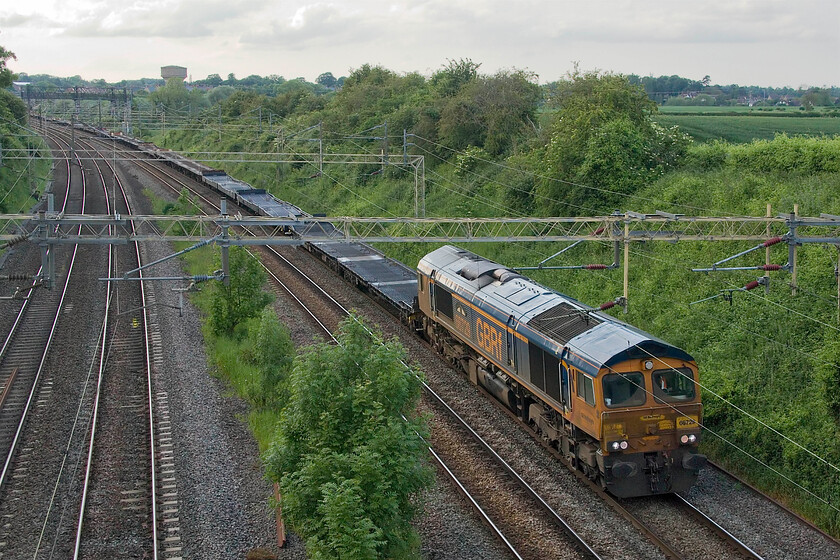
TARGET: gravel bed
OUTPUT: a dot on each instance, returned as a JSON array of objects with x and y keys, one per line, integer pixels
[
  {"x": 668, "y": 519},
  {"x": 223, "y": 498},
  {"x": 768, "y": 529}
]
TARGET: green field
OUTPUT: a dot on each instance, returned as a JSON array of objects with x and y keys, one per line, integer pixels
[
  {"x": 728, "y": 109},
  {"x": 746, "y": 128}
]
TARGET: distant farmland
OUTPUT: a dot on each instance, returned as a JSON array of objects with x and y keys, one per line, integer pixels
[{"x": 746, "y": 127}]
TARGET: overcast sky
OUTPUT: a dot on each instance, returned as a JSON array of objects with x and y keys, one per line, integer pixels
[{"x": 749, "y": 42}]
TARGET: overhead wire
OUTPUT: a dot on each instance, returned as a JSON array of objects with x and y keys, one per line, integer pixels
[
  {"x": 757, "y": 419},
  {"x": 566, "y": 182},
  {"x": 498, "y": 206},
  {"x": 705, "y": 427}
]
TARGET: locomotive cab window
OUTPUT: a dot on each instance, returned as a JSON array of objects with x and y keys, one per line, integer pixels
[
  {"x": 624, "y": 389},
  {"x": 585, "y": 388},
  {"x": 673, "y": 385}
]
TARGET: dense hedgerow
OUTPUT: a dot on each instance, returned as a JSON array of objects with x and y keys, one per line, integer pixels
[{"x": 783, "y": 154}]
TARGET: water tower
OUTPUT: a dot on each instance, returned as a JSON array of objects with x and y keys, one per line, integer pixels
[{"x": 167, "y": 72}]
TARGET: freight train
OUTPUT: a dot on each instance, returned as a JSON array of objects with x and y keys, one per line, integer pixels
[{"x": 622, "y": 406}]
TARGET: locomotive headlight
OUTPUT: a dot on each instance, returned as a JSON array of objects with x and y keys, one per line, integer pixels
[
  {"x": 687, "y": 439},
  {"x": 618, "y": 445},
  {"x": 648, "y": 364}
]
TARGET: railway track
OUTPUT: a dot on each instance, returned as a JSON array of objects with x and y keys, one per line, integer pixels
[
  {"x": 704, "y": 528},
  {"x": 37, "y": 473},
  {"x": 517, "y": 538},
  {"x": 49, "y": 476},
  {"x": 121, "y": 457},
  {"x": 23, "y": 352}
]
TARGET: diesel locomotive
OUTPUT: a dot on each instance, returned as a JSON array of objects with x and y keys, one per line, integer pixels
[{"x": 621, "y": 405}]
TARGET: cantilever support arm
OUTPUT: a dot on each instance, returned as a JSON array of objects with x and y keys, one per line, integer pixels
[{"x": 198, "y": 245}]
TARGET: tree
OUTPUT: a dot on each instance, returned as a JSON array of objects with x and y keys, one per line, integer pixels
[
  {"x": 213, "y": 80},
  {"x": 6, "y": 75},
  {"x": 602, "y": 144},
  {"x": 491, "y": 111},
  {"x": 349, "y": 466},
  {"x": 242, "y": 298},
  {"x": 241, "y": 102},
  {"x": 273, "y": 354},
  {"x": 816, "y": 97},
  {"x": 15, "y": 106},
  {"x": 219, "y": 94},
  {"x": 173, "y": 95},
  {"x": 455, "y": 75},
  {"x": 327, "y": 80}
]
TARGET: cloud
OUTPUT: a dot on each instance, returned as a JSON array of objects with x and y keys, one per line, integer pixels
[
  {"x": 28, "y": 21},
  {"x": 317, "y": 25},
  {"x": 176, "y": 19},
  {"x": 770, "y": 41}
]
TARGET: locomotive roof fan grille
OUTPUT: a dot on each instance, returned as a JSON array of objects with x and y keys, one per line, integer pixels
[{"x": 563, "y": 322}]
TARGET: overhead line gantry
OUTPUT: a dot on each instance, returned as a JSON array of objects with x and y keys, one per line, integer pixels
[{"x": 49, "y": 229}]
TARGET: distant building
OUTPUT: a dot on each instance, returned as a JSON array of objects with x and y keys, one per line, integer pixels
[
  {"x": 19, "y": 87},
  {"x": 167, "y": 72}
]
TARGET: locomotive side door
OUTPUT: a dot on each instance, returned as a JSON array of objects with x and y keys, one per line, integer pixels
[
  {"x": 511, "y": 344},
  {"x": 565, "y": 388},
  {"x": 432, "y": 285}
]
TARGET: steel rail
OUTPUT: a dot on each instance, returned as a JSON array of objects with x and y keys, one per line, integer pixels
[
  {"x": 102, "y": 334},
  {"x": 54, "y": 324},
  {"x": 771, "y": 499},
  {"x": 737, "y": 543},
  {"x": 148, "y": 367},
  {"x": 494, "y": 528},
  {"x": 97, "y": 393}
]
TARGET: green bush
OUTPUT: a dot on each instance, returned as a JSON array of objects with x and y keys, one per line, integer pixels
[
  {"x": 243, "y": 296},
  {"x": 348, "y": 462}
]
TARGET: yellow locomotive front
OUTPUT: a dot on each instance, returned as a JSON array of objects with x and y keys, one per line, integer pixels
[{"x": 650, "y": 416}]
